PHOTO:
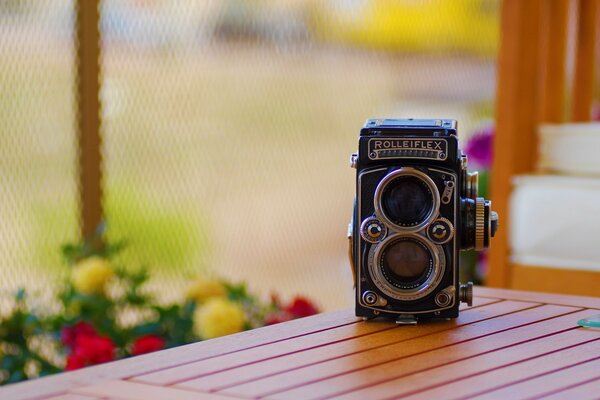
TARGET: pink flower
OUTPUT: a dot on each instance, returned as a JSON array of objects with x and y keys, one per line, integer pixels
[
  {"x": 147, "y": 344},
  {"x": 277, "y": 317},
  {"x": 479, "y": 147},
  {"x": 88, "y": 348},
  {"x": 301, "y": 307},
  {"x": 69, "y": 334}
]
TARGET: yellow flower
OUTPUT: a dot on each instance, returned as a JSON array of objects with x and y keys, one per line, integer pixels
[
  {"x": 218, "y": 317},
  {"x": 203, "y": 289},
  {"x": 91, "y": 275}
]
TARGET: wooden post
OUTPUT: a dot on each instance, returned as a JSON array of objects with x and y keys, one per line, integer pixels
[
  {"x": 583, "y": 81},
  {"x": 555, "y": 15},
  {"x": 517, "y": 113},
  {"x": 90, "y": 175}
]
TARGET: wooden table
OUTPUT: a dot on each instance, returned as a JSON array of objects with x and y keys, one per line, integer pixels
[{"x": 510, "y": 345}]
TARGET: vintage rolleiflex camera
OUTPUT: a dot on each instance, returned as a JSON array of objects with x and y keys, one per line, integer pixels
[{"x": 416, "y": 207}]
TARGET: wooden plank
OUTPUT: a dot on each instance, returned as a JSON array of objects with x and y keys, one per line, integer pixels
[
  {"x": 54, "y": 385},
  {"x": 138, "y": 391},
  {"x": 479, "y": 382},
  {"x": 251, "y": 372},
  {"x": 384, "y": 380},
  {"x": 517, "y": 111},
  {"x": 434, "y": 368},
  {"x": 583, "y": 79},
  {"x": 554, "y": 56},
  {"x": 296, "y": 382},
  {"x": 68, "y": 396},
  {"x": 547, "y": 383},
  {"x": 215, "y": 365},
  {"x": 546, "y": 298},
  {"x": 554, "y": 280},
  {"x": 580, "y": 391},
  {"x": 88, "y": 91},
  {"x": 212, "y": 365}
]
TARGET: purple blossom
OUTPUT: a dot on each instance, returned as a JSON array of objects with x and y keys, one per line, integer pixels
[{"x": 479, "y": 147}]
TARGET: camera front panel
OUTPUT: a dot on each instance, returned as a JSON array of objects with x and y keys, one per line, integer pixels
[{"x": 406, "y": 248}]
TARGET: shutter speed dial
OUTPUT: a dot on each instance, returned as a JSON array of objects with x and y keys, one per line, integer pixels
[{"x": 372, "y": 230}]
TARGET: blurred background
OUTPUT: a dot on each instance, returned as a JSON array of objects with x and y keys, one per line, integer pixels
[{"x": 226, "y": 128}]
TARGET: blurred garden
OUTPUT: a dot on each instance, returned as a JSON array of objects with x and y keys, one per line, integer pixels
[{"x": 226, "y": 128}]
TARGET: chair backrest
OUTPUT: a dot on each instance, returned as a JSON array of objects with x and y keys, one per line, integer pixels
[{"x": 532, "y": 88}]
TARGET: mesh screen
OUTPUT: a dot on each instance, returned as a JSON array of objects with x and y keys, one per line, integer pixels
[
  {"x": 227, "y": 127},
  {"x": 38, "y": 186}
]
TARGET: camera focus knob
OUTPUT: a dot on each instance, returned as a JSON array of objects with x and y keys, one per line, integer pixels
[
  {"x": 479, "y": 223},
  {"x": 466, "y": 293}
]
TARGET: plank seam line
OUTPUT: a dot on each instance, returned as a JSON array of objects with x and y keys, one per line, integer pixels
[
  {"x": 493, "y": 369},
  {"x": 562, "y": 389},
  {"x": 152, "y": 371},
  {"x": 449, "y": 362},
  {"x": 533, "y": 376},
  {"x": 172, "y": 383},
  {"x": 568, "y": 304},
  {"x": 375, "y": 348},
  {"x": 420, "y": 353}
]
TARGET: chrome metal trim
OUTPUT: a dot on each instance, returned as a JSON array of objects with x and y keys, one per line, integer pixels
[
  {"x": 359, "y": 269},
  {"x": 424, "y": 289},
  {"x": 406, "y": 171},
  {"x": 450, "y": 236}
]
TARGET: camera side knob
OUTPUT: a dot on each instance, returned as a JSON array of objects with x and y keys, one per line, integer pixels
[
  {"x": 466, "y": 293},
  {"x": 480, "y": 209}
]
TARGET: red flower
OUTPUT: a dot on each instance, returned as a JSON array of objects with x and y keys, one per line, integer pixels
[
  {"x": 69, "y": 334},
  {"x": 277, "y": 317},
  {"x": 90, "y": 350},
  {"x": 301, "y": 307},
  {"x": 147, "y": 344}
]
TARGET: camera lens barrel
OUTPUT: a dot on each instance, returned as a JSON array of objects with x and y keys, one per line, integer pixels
[{"x": 406, "y": 200}]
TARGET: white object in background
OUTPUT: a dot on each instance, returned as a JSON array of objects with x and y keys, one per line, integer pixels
[
  {"x": 572, "y": 149},
  {"x": 555, "y": 222}
]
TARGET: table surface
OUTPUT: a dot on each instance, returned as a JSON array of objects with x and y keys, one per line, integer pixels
[{"x": 509, "y": 345}]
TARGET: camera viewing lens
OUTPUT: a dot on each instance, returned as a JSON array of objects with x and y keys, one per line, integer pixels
[
  {"x": 406, "y": 262},
  {"x": 407, "y": 200}
]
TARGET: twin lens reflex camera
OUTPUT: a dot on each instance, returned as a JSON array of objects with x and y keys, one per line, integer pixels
[{"x": 416, "y": 207}]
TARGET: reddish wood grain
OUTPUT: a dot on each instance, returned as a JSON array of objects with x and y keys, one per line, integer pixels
[
  {"x": 299, "y": 379},
  {"x": 579, "y": 391},
  {"x": 480, "y": 382},
  {"x": 125, "y": 390},
  {"x": 269, "y": 351},
  {"x": 513, "y": 343},
  {"x": 400, "y": 373},
  {"x": 547, "y": 383}
]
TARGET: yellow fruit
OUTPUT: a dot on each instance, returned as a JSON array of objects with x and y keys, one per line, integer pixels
[
  {"x": 91, "y": 275},
  {"x": 203, "y": 289},
  {"x": 218, "y": 317}
]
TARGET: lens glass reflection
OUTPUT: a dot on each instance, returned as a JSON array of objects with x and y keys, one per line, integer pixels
[
  {"x": 407, "y": 201},
  {"x": 406, "y": 261}
]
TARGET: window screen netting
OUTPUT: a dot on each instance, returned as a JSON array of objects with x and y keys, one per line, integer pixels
[
  {"x": 227, "y": 128},
  {"x": 38, "y": 181}
]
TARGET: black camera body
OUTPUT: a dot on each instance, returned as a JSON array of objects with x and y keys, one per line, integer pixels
[{"x": 416, "y": 208}]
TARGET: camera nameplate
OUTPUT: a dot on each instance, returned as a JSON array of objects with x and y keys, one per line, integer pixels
[{"x": 411, "y": 148}]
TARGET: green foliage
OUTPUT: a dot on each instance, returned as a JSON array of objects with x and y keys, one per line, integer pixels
[
  {"x": 170, "y": 237},
  {"x": 119, "y": 318}
]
